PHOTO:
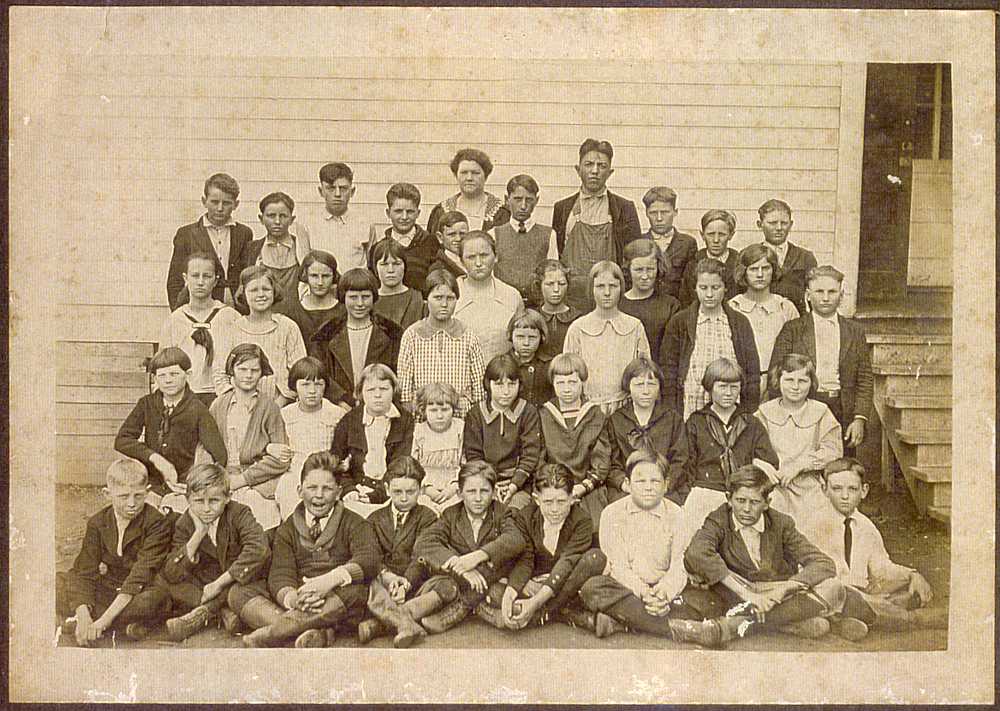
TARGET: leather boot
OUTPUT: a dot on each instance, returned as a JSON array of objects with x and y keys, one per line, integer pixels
[
  {"x": 294, "y": 622},
  {"x": 423, "y": 605},
  {"x": 180, "y": 628},
  {"x": 707, "y": 633},
  {"x": 578, "y": 617},
  {"x": 606, "y": 625},
  {"x": 490, "y": 615},
  {"x": 231, "y": 622},
  {"x": 372, "y": 628},
  {"x": 849, "y": 628},
  {"x": 393, "y": 615},
  {"x": 311, "y": 638},
  {"x": 446, "y": 618},
  {"x": 259, "y": 612},
  {"x": 809, "y": 628}
]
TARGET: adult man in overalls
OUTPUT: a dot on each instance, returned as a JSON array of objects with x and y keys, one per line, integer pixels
[{"x": 594, "y": 224}]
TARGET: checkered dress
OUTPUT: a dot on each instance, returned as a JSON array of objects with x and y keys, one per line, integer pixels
[
  {"x": 713, "y": 340},
  {"x": 441, "y": 358}
]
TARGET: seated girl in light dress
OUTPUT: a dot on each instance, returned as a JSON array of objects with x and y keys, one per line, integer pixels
[{"x": 437, "y": 444}]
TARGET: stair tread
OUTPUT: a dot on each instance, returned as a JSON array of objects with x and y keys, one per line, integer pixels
[
  {"x": 909, "y": 369},
  {"x": 909, "y": 339},
  {"x": 940, "y": 513},
  {"x": 918, "y": 402},
  {"x": 925, "y": 436},
  {"x": 932, "y": 474}
]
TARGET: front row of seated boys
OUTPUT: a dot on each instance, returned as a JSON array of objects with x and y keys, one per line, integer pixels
[{"x": 406, "y": 572}]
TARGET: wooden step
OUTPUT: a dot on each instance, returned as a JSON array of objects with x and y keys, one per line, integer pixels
[
  {"x": 905, "y": 384},
  {"x": 920, "y": 412},
  {"x": 911, "y": 354},
  {"x": 922, "y": 448},
  {"x": 911, "y": 370},
  {"x": 929, "y": 436},
  {"x": 932, "y": 474},
  {"x": 908, "y": 338},
  {"x": 940, "y": 513}
]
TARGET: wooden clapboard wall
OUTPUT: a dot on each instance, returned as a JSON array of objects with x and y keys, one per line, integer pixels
[
  {"x": 139, "y": 134},
  {"x": 931, "y": 231}
]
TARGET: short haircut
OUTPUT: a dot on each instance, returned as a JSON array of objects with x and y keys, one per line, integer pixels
[
  {"x": 529, "y": 318},
  {"x": 357, "y": 279},
  {"x": 124, "y": 471},
  {"x": 440, "y": 277},
  {"x": 641, "y": 365},
  {"x": 388, "y": 247},
  {"x": 474, "y": 235},
  {"x": 602, "y": 147},
  {"x": 167, "y": 357},
  {"x": 844, "y": 464},
  {"x": 724, "y": 215},
  {"x": 248, "y": 351},
  {"x": 318, "y": 255},
  {"x": 277, "y": 197},
  {"x": 404, "y": 467},
  {"x": 476, "y": 156},
  {"x": 331, "y": 172},
  {"x": 789, "y": 364},
  {"x": 749, "y": 476},
  {"x": 252, "y": 273},
  {"x": 477, "y": 467},
  {"x": 567, "y": 364},
  {"x": 327, "y": 461},
  {"x": 403, "y": 191},
  {"x": 553, "y": 476},
  {"x": 721, "y": 370},
  {"x": 436, "y": 393},
  {"x": 452, "y": 217},
  {"x": 606, "y": 267},
  {"x": 378, "y": 371},
  {"x": 774, "y": 206},
  {"x": 307, "y": 368},
  {"x": 203, "y": 257},
  {"x": 523, "y": 180},
  {"x": 638, "y": 249},
  {"x": 824, "y": 270},
  {"x": 752, "y": 254},
  {"x": 708, "y": 265},
  {"x": 205, "y": 476},
  {"x": 223, "y": 182},
  {"x": 501, "y": 367},
  {"x": 644, "y": 455},
  {"x": 660, "y": 194}
]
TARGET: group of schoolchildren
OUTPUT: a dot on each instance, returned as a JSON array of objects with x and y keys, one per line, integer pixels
[{"x": 491, "y": 417}]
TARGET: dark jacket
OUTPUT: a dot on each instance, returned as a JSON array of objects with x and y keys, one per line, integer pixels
[
  {"x": 575, "y": 538},
  {"x": 704, "y": 465},
  {"x": 674, "y": 261},
  {"x": 717, "y": 549},
  {"x": 516, "y": 447},
  {"x": 689, "y": 280},
  {"x": 664, "y": 433},
  {"x": 535, "y": 385},
  {"x": 624, "y": 221},
  {"x": 417, "y": 257},
  {"x": 582, "y": 448},
  {"x": 190, "y": 425},
  {"x": 348, "y": 540},
  {"x": 792, "y": 282},
  {"x": 854, "y": 361},
  {"x": 349, "y": 440},
  {"x": 144, "y": 546},
  {"x": 194, "y": 238},
  {"x": 331, "y": 345},
  {"x": 678, "y": 345},
  {"x": 499, "y": 537},
  {"x": 240, "y": 548},
  {"x": 397, "y": 546},
  {"x": 441, "y": 261}
]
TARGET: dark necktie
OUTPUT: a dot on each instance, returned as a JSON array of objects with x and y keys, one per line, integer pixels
[
  {"x": 315, "y": 530},
  {"x": 848, "y": 540},
  {"x": 164, "y": 428},
  {"x": 520, "y": 228},
  {"x": 399, "y": 520}
]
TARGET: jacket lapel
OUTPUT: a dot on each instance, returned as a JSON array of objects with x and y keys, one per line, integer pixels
[
  {"x": 464, "y": 529},
  {"x": 332, "y": 524},
  {"x": 132, "y": 531},
  {"x": 340, "y": 348},
  {"x": 845, "y": 344},
  {"x": 109, "y": 532},
  {"x": 768, "y": 544},
  {"x": 222, "y": 534},
  {"x": 738, "y": 546},
  {"x": 809, "y": 337}
]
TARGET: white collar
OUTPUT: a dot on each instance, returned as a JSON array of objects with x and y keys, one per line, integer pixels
[
  {"x": 703, "y": 317},
  {"x": 757, "y": 526},
  {"x": 367, "y": 418},
  {"x": 832, "y": 320},
  {"x": 585, "y": 196},
  {"x": 746, "y": 305},
  {"x": 529, "y": 224},
  {"x": 327, "y": 215},
  {"x": 594, "y": 325},
  {"x": 513, "y": 414},
  {"x": 660, "y": 510},
  {"x": 205, "y": 222},
  {"x": 311, "y": 519}
]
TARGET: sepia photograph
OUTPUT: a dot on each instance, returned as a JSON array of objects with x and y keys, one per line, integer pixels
[{"x": 502, "y": 355}]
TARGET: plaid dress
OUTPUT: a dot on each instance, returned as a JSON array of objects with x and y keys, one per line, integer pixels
[
  {"x": 713, "y": 340},
  {"x": 452, "y": 355}
]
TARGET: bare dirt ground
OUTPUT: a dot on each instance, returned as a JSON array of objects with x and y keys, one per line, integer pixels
[{"x": 912, "y": 540}]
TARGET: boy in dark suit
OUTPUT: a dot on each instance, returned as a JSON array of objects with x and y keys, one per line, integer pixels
[
  {"x": 838, "y": 347},
  {"x": 420, "y": 247},
  {"x": 215, "y": 233},
  {"x": 217, "y": 542},
  {"x": 110, "y": 584},
  {"x": 324, "y": 557},
  {"x": 677, "y": 249},
  {"x": 759, "y": 567},
  {"x": 776, "y": 222},
  {"x": 594, "y": 224},
  {"x": 396, "y": 529}
]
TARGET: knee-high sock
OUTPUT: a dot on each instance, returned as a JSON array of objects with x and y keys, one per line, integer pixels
[
  {"x": 294, "y": 622},
  {"x": 632, "y": 613},
  {"x": 796, "y": 608}
]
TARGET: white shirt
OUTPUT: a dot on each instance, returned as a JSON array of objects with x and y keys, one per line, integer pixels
[
  {"x": 396, "y": 513},
  {"x": 664, "y": 241},
  {"x": 827, "y": 352},
  {"x": 751, "y": 537},
  {"x": 781, "y": 251},
  {"x": 220, "y": 238},
  {"x": 310, "y": 520},
  {"x": 404, "y": 240},
  {"x": 476, "y": 523},
  {"x": 122, "y": 525},
  {"x": 550, "y": 535},
  {"x": 376, "y": 433},
  {"x": 529, "y": 224},
  {"x": 213, "y": 532},
  {"x": 340, "y": 235}
]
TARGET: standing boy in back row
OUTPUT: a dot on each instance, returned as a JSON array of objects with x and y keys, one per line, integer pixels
[
  {"x": 775, "y": 223},
  {"x": 332, "y": 228}
]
